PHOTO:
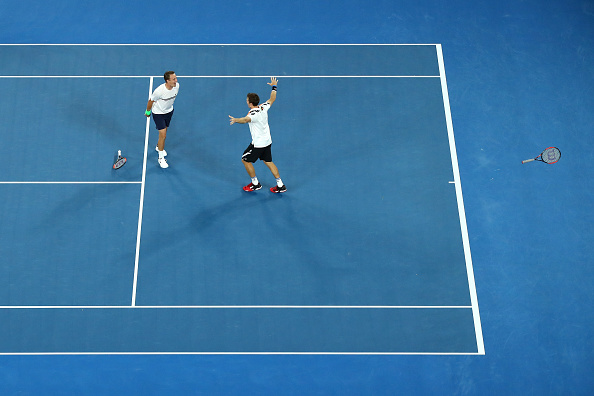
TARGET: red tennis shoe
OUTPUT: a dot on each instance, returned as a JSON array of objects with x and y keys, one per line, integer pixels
[
  {"x": 277, "y": 189},
  {"x": 252, "y": 187}
]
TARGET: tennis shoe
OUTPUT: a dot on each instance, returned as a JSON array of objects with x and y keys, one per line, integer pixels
[
  {"x": 277, "y": 189},
  {"x": 164, "y": 152},
  {"x": 163, "y": 163},
  {"x": 252, "y": 187}
]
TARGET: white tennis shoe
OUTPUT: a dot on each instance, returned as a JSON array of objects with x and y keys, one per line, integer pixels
[{"x": 163, "y": 163}]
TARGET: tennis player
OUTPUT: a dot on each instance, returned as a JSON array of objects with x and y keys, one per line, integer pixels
[
  {"x": 260, "y": 148},
  {"x": 161, "y": 105}
]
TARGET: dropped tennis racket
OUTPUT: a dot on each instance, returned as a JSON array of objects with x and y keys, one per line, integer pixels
[
  {"x": 119, "y": 160},
  {"x": 548, "y": 156}
]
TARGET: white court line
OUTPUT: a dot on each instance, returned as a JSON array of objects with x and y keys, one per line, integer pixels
[
  {"x": 222, "y": 76},
  {"x": 461, "y": 212},
  {"x": 240, "y": 353},
  {"x": 70, "y": 182},
  {"x": 74, "y": 76},
  {"x": 236, "y": 307},
  {"x": 141, "y": 206},
  {"x": 215, "y": 45},
  {"x": 320, "y": 76}
]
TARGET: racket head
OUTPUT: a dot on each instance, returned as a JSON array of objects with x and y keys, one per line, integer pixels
[
  {"x": 550, "y": 155},
  {"x": 119, "y": 163}
]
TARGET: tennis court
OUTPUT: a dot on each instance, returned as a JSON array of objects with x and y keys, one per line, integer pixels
[
  {"x": 520, "y": 78},
  {"x": 367, "y": 253}
]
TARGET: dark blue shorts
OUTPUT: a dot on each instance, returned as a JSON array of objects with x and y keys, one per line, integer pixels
[{"x": 162, "y": 120}]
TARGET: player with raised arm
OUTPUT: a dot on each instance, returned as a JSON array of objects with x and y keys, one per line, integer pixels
[{"x": 260, "y": 147}]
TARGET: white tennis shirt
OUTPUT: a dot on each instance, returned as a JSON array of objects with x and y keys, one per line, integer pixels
[
  {"x": 164, "y": 99},
  {"x": 259, "y": 125}
]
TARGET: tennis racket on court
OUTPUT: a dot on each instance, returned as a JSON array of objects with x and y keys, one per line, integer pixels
[
  {"x": 119, "y": 160},
  {"x": 549, "y": 156}
]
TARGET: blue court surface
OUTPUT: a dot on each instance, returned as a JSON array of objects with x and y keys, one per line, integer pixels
[
  {"x": 365, "y": 254},
  {"x": 413, "y": 253}
]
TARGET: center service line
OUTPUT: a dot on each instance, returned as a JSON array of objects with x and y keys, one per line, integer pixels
[{"x": 141, "y": 207}]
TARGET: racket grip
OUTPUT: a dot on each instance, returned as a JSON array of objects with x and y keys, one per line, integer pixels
[
  {"x": 528, "y": 160},
  {"x": 119, "y": 153}
]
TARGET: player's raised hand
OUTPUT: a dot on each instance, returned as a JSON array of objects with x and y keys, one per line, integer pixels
[{"x": 273, "y": 81}]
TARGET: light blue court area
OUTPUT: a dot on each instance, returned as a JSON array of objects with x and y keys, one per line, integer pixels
[
  {"x": 371, "y": 218},
  {"x": 67, "y": 244},
  {"x": 367, "y": 252},
  {"x": 69, "y": 129},
  {"x": 215, "y": 60},
  {"x": 235, "y": 330}
]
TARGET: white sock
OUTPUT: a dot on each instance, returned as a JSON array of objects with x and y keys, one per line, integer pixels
[
  {"x": 161, "y": 154},
  {"x": 279, "y": 182},
  {"x": 255, "y": 181}
]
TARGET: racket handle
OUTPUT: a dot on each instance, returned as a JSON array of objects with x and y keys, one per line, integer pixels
[
  {"x": 119, "y": 153},
  {"x": 528, "y": 160}
]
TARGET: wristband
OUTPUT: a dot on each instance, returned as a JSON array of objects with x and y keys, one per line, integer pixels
[
  {"x": 274, "y": 87},
  {"x": 148, "y": 112}
]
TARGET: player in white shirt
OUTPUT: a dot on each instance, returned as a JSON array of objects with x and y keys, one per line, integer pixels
[
  {"x": 161, "y": 105},
  {"x": 260, "y": 148}
]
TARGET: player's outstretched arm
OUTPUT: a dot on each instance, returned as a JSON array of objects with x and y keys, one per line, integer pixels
[
  {"x": 273, "y": 82},
  {"x": 242, "y": 120}
]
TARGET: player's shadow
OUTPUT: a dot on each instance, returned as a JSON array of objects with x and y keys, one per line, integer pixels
[
  {"x": 90, "y": 116},
  {"x": 199, "y": 225},
  {"x": 70, "y": 209}
]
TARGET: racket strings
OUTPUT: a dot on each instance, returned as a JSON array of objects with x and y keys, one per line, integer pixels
[{"x": 551, "y": 155}]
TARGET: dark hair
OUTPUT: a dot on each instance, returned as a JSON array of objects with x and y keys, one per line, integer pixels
[
  {"x": 167, "y": 75},
  {"x": 253, "y": 99}
]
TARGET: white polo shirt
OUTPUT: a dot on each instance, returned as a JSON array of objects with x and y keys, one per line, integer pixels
[
  {"x": 259, "y": 125},
  {"x": 164, "y": 99}
]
